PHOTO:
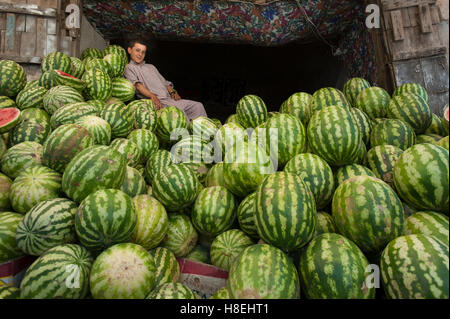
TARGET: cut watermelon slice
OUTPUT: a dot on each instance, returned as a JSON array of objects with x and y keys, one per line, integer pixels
[
  {"x": 69, "y": 80},
  {"x": 9, "y": 117}
]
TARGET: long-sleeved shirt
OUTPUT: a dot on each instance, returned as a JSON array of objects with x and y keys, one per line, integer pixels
[{"x": 149, "y": 76}]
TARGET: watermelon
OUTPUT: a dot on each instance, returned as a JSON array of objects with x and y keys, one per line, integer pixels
[
  {"x": 345, "y": 172},
  {"x": 8, "y": 292},
  {"x": 70, "y": 113},
  {"x": 415, "y": 267},
  {"x": 9, "y": 221},
  {"x": 3, "y": 147},
  {"x": 443, "y": 142},
  {"x": 222, "y": 293},
  {"x": 412, "y": 109},
  {"x": 192, "y": 149},
  {"x": 214, "y": 176},
  {"x": 57, "y": 61},
  {"x": 123, "y": 271},
  {"x": 246, "y": 215},
  {"x": 200, "y": 170},
  {"x": 116, "y": 49},
  {"x": 63, "y": 144},
  {"x": 59, "y": 96},
  {"x": 122, "y": 89},
  {"x": 133, "y": 183},
  {"x": 157, "y": 162},
  {"x": 48, "y": 79},
  {"x": 285, "y": 211},
  {"x": 413, "y": 88},
  {"x": 232, "y": 118},
  {"x": 120, "y": 117},
  {"x": 204, "y": 128},
  {"x": 31, "y": 97},
  {"x": 152, "y": 222},
  {"x": 353, "y": 87},
  {"x": 263, "y": 272},
  {"x": 298, "y": 105},
  {"x": 29, "y": 130},
  {"x": 146, "y": 141},
  {"x": 99, "y": 129},
  {"x": 427, "y": 138},
  {"x": 34, "y": 185},
  {"x": 5, "y": 186},
  {"x": 61, "y": 272},
  {"x": 91, "y": 52},
  {"x": 33, "y": 113},
  {"x": 430, "y": 224},
  {"x": 333, "y": 267},
  {"x": 98, "y": 84},
  {"x": 144, "y": 113},
  {"x": 32, "y": 83},
  {"x": 69, "y": 80},
  {"x": 48, "y": 224},
  {"x": 373, "y": 101},
  {"x": 19, "y": 157},
  {"x": 98, "y": 104},
  {"x": 251, "y": 111},
  {"x": 368, "y": 212},
  {"x": 12, "y": 78},
  {"x": 200, "y": 254},
  {"x": 167, "y": 267},
  {"x": 9, "y": 117},
  {"x": 325, "y": 224},
  {"x": 214, "y": 210},
  {"x": 381, "y": 160},
  {"x": 436, "y": 126},
  {"x": 328, "y": 96},
  {"x": 227, "y": 246},
  {"x": 421, "y": 177},
  {"x": 171, "y": 124},
  {"x": 227, "y": 136},
  {"x": 105, "y": 218},
  {"x": 6, "y": 102},
  {"x": 363, "y": 121},
  {"x": 116, "y": 64},
  {"x": 128, "y": 149},
  {"x": 172, "y": 290},
  {"x": 333, "y": 124},
  {"x": 181, "y": 236},
  {"x": 97, "y": 63},
  {"x": 81, "y": 176},
  {"x": 316, "y": 173},
  {"x": 176, "y": 187},
  {"x": 77, "y": 67},
  {"x": 393, "y": 132},
  {"x": 245, "y": 166}
]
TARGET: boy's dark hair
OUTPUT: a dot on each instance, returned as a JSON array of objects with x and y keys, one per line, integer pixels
[{"x": 131, "y": 43}]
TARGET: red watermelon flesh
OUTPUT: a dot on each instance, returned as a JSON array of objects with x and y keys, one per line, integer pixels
[{"x": 8, "y": 118}]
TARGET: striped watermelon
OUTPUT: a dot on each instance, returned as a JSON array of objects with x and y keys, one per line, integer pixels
[
  {"x": 48, "y": 224},
  {"x": 157, "y": 162},
  {"x": 29, "y": 130},
  {"x": 105, "y": 218},
  {"x": 116, "y": 49},
  {"x": 227, "y": 246},
  {"x": 413, "y": 88},
  {"x": 199, "y": 253},
  {"x": 298, "y": 105},
  {"x": 214, "y": 210},
  {"x": 316, "y": 173},
  {"x": 59, "y": 96},
  {"x": 144, "y": 114},
  {"x": 412, "y": 109},
  {"x": 98, "y": 104},
  {"x": 172, "y": 290},
  {"x": 77, "y": 67},
  {"x": 120, "y": 117},
  {"x": 8, "y": 292},
  {"x": 204, "y": 128},
  {"x": 328, "y": 126},
  {"x": 19, "y": 157},
  {"x": 48, "y": 79},
  {"x": 232, "y": 118},
  {"x": 133, "y": 183},
  {"x": 333, "y": 267},
  {"x": 9, "y": 118},
  {"x": 3, "y": 147},
  {"x": 152, "y": 222},
  {"x": 99, "y": 129},
  {"x": 214, "y": 176},
  {"x": 176, "y": 187},
  {"x": 381, "y": 160},
  {"x": 6, "y": 102},
  {"x": 368, "y": 212},
  {"x": 393, "y": 132},
  {"x": 328, "y": 96},
  {"x": 98, "y": 84},
  {"x": 263, "y": 272},
  {"x": 122, "y": 89},
  {"x": 69, "y": 80},
  {"x": 181, "y": 236},
  {"x": 246, "y": 215},
  {"x": 353, "y": 87},
  {"x": 12, "y": 78},
  {"x": 192, "y": 149},
  {"x": 199, "y": 169},
  {"x": 5, "y": 186},
  {"x": 63, "y": 144},
  {"x": 81, "y": 176},
  {"x": 116, "y": 64},
  {"x": 123, "y": 271},
  {"x": 128, "y": 149},
  {"x": 70, "y": 113},
  {"x": 415, "y": 267},
  {"x": 436, "y": 126},
  {"x": 35, "y": 114},
  {"x": 31, "y": 83},
  {"x": 61, "y": 272},
  {"x": 325, "y": 224},
  {"x": 9, "y": 221},
  {"x": 34, "y": 185},
  {"x": 167, "y": 267},
  {"x": 363, "y": 122},
  {"x": 57, "y": 61},
  {"x": 251, "y": 111},
  {"x": 373, "y": 101},
  {"x": 421, "y": 177},
  {"x": 222, "y": 293},
  {"x": 97, "y": 63},
  {"x": 228, "y": 135},
  {"x": 91, "y": 52},
  {"x": 430, "y": 224},
  {"x": 443, "y": 142},
  {"x": 171, "y": 124},
  {"x": 285, "y": 211},
  {"x": 427, "y": 138},
  {"x": 31, "y": 97}
]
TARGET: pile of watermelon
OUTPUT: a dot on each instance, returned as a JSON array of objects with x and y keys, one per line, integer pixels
[{"x": 340, "y": 194}]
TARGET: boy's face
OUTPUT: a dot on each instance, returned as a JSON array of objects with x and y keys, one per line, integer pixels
[{"x": 137, "y": 52}]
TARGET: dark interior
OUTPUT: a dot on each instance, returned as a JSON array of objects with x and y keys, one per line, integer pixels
[{"x": 218, "y": 75}]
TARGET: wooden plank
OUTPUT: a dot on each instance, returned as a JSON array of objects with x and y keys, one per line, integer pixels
[
  {"x": 30, "y": 24},
  {"x": 443, "y": 6},
  {"x": 41, "y": 37},
  {"x": 51, "y": 26},
  {"x": 51, "y": 43},
  {"x": 2, "y": 21},
  {"x": 44, "y": 3},
  {"x": 10, "y": 33},
  {"x": 389, "y": 5},
  {"x": 66, "y": 45},
  {"x": 27, "y": 9},
  {"x": 435, "y": 17},
  {"x": 425, "y": 18},
  {"x": 413, "y": 16},
  {"x": 397, "y": 25},
  {"x": 401, "y": 56},
  {"x": 2, "y": 40},
  {"x": 406, "y": 19},
  {"x": 21, "y": 59},
  {"x": 28, "y": 44},
  {"x": 20, "y": 22}
]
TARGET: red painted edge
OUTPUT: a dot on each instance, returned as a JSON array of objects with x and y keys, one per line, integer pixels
[
  {"x": 13, "y": 267},
  {"x": 188, "y": 266}
]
